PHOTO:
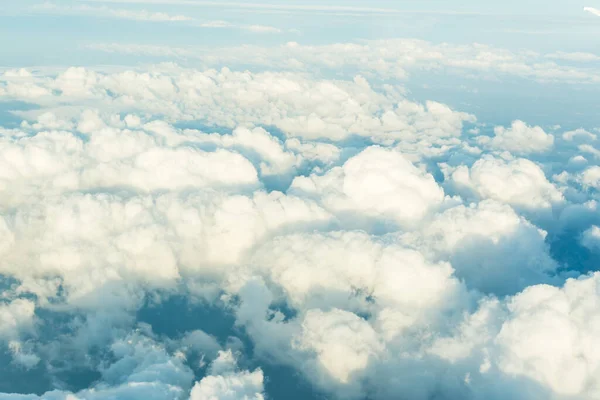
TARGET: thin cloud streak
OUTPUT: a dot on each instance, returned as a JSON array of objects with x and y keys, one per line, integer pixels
[
  {"x": 592, "y": 10},
  {"x": 135, "y": 15},
  {"x": 290, "y": 7}
]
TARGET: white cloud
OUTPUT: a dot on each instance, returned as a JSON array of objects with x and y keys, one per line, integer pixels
[
  {"x": 219, "y": 24},
  {"x": 144, "y": 240},
  {"x": 17, "y": 73},
  {"x": 149, "y": 16},
  {"x": 15, "y": 317},
  {"x": 518, "y": 182},
  {"x": 579, "y": 135},
  {"x": 591, "y": 238},
  {"x": 116, "y": 158},
  {"x": 575, "y": 56},
  {"x": 518, "y": 139},
  {"x": 21, "y": 356},
  {"x": 550, "y": 337},
  {"x": 388, "y": 59},
  {"x": 159, "y": 169},
  {"x": 275, "y": 159},
  {"x": 586, "y": 148},
  {"x": 591, "y": 177},
  {"x": 378, "y": 183},
  {"x": 592, "y": 10},
  {"x": 262, "y": 29},
  {"x": 225, "y": 383},
  {"x": 491, "y": 247},
  {"x": 141, "y": 369},
  {"x": 344, "y": 343},
  {"x": 545, "y": 334},
  {"x": 136, "y": 15},
  {"x": 289, "y": 7},
  {"x": 129, "y": 191},
  {"x": 216, "y": 24},
  {"x": 318, "y": 270},
  {"x": 308, "y": 109},
  {"x": 143, "y": 15}
]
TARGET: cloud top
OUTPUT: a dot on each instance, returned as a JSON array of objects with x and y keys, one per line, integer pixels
[{"x": 172, "y": 233}]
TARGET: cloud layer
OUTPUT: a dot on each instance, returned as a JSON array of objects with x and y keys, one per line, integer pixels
[{"x": 172, "y": 233}]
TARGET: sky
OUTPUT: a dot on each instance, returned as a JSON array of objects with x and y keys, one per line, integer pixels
[{"x": 363, "y": 200}]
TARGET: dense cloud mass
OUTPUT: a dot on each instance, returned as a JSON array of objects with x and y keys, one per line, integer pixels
[{"x": 172, "y": 233}]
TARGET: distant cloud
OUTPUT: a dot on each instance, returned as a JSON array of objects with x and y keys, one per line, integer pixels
[
  {"x": 519, "y": 182},
  {"x": 137, "y": 15},
  {"x": 216, "y": 24},
  {"x": 519, "y": 138},
  {"x": 262, "y": 29},
  {"x": 591, "y": 10},
  {"x": 143, "y": 15},
  {"x": 391, "y": 58},
  {"x": 252, "y": 28},
  {"x": 268, "y": 7},
  {"x": 591, "y": 238},
  {"x": 575, "y": 56}
]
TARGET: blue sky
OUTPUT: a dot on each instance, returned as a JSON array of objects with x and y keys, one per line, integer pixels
[{"x": 49, "y": 35}]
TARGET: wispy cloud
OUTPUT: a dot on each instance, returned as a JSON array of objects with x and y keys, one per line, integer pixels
[
  {"x": 144, "y": 15},
  {"x": 576, "y": 56},
  {"x": 262, "y": 29},
  {"x": 146, "y": 50},
  {"x": 592, "y": 10},
  {"x": 394, "y": 58},
  {"x": 137, "y": 15},
  {"x": 219, "y": 24},
  {"x": 291, "y": 7}
]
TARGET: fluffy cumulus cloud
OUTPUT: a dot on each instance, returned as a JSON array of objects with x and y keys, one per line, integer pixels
[
  {"x": 490, "y": 245},
  {"x": 591, "y": 177},
  {"x": 141, "y": 368},
  {"x": 376, "y": 183},
  {"x": 516, "y": 181},
  {"x": 301, "y": 107},
  {"x": 16, "y": 316},
  {"x": 591, "y": 238},
  {"x": 225, "y": 383},
  {"x": 541, "y": 338},
  {"x": 173, "y": 233},
  {"x": 343, "y": 342},
  {"x": 564, "y": 320},
  {"x": 519, "y": 139}
]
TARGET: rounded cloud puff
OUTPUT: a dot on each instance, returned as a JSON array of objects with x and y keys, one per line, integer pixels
[
  {"x": 225, "y": 383},
  {"x": 347, "y": 269},
  {"x": 299, "y": 106},
  {"x": 519, "y": 139},
  {"x": 518, "y": 182},
  {"x": 378, "y": 183},
  {"x": 15, "y": 317},
  {"x": 343, "y": 342},
  {"x": 551, "y": 337},
  {"x": 591, "y": 177},
  {"x": 591, "y": 238},
  {"x": 491, "y": 247}
]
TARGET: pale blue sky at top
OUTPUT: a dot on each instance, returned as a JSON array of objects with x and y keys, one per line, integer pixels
[{"x": 47, "y": 32}]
